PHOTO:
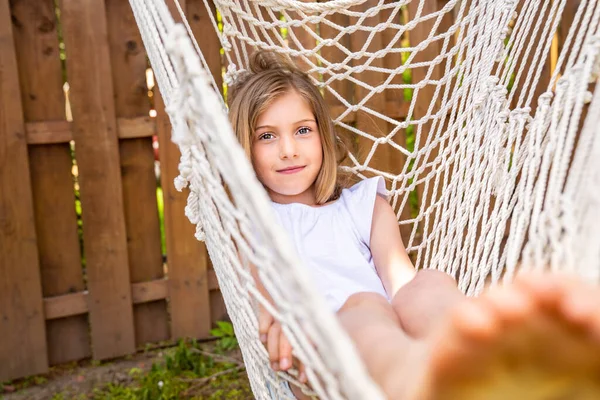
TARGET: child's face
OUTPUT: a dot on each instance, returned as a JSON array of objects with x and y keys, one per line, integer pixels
[{"x": 286, "y": 150}]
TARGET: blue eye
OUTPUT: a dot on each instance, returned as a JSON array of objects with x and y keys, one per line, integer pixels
[{"x": 304, "y": 130}]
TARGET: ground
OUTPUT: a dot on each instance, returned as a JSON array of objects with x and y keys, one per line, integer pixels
[{"x": 186, "y": 370}]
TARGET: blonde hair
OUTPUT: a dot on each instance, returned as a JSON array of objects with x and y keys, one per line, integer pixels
[{"x": 269, "y": 76}]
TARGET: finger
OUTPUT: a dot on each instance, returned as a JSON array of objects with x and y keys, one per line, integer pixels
[
  {"x": 273, "y": 345},
  {"x": 285, "y": 352},
  {"x": 265, "y": 320},
  {"x": 303, "y": 378},
  {"x": 302, "y": 372}
]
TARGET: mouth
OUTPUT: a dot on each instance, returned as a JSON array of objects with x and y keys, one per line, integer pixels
[{"x": 291, "y": 170}]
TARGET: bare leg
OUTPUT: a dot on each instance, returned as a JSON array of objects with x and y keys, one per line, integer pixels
[
  {"x": 375, "y": 330},
  {"x": 423, "y": 303},
  {"x": 374, "y": 327},
  {"x": 535, "y": 339}
]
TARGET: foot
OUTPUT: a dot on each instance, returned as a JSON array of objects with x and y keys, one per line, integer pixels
[{"x": 538, "y": 338}]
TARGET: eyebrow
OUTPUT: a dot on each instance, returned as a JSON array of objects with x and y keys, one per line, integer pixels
[{"x": 295, "y": 123}]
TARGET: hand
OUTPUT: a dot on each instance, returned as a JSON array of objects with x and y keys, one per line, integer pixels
[{"x": 277, "y": 344}]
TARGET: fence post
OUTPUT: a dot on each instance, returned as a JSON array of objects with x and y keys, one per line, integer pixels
[
  {"x": 187, "y": 259},
  {"x": 204, "y": 32},
  {"x": 396, "y": 107},
  {"x": 424, "y": 96},
  {"x": 95, "y": 134},
  {"x": 128, "y": 60},
  {"x": 23, "y": 342},
  {"x": 530, "y": 67},
  {"x": 41, "y": 79},
  {"x": 365, "y": 122}
]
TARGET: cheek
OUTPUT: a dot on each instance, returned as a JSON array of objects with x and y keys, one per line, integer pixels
[
  {"x": 317, "y": 149},
  {"x": 260, "y": 159}
]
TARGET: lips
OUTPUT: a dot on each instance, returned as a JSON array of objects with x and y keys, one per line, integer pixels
[{"x": 291, "y": 170}]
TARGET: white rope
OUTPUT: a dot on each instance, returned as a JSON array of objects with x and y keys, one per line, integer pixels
[{"x": 500, "y": 186}]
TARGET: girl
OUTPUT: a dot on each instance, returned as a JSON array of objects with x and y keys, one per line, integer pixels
[{"x": 349, "y": 241}]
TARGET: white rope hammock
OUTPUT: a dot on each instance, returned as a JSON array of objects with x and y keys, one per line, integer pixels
[{"x": 502, "y": 186}]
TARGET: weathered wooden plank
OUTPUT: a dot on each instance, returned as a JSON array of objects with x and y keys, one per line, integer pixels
[
  {"x": 335, "y": 56},
  {"x": 61, "y": 131},
  {"x": 187, "y": 259},
  {"x": 144, "y": 292},
  {"x": 204, "y": 32},
  {"x": 95, "y": 133},
  {"x": 425, "y": 96},
  {"x": 567, "y": 20},
  {"x": 395, "y": 105},
  {"x": 128, "y": 60},
  {"x": 240, "y": 50},
  {"x": 66, "y": 305},
  {"x": 142, "y": 126},
  {"x": 303, "y": 38},
  {"x": 206, "y": 35},
  {"x": 522, "y": 82},
  {"x": 566, "y": 24},
  {"x": 41, "y": 79},
  {"x": 48, "y": 132},
  {"x": 149, "y": 291},
  {"x": 23, "y": 346},
  {"x": 272, "y": 36},
  {"x": 393, "y": 59},
  {"x": 366, "y": 122},
  {"x": 343, "y": 87}
]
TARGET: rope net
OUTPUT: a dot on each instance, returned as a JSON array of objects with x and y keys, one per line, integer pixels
[{"x": 489, "y": 168}]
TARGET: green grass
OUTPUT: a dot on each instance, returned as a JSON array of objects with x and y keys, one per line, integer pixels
[{"x": 185, "y": 372}]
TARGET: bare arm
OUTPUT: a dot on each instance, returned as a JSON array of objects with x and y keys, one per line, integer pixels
[
  {"x": 265, "y": 319},
  {"x": 272, "y": 336},
  {"x": 389, "y": 255}
]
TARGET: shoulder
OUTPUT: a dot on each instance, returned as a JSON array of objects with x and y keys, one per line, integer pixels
[
  {"x": 362, "y": 201},
  {"x": 371, "y": 186},
  {"x": 383, "y": 212}
]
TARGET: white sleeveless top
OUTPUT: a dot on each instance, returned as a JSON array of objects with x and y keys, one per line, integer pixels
[{"x": 333, "y": 241}]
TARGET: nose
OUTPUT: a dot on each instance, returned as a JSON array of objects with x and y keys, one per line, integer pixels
[{"x": 288, "y": 147}]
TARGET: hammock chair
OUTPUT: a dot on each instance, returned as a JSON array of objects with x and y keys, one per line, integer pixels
[{"x": 505, "y": 178}]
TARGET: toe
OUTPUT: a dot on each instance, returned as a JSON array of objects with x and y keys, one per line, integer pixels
[
  {"x": 509, "y": 304},
  {"x": 474, "y": 321},
  {"x": 581, "y": 307}
]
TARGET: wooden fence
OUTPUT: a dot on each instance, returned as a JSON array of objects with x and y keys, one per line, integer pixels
[
  {"x": 59, "y": 301},
  {"x": 96, "y": 285}
]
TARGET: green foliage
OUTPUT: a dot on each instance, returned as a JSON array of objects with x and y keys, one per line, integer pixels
[
  {"x": 63, "y": 396},
  {"x": 227, "y": 340},
  {"x": 406, "y": 78},
  {"x": 283, "y": 30},
  {"x": 19, "y": 384},
  {"x": 61, "y": 43},
  {"x": 413, "y": 197},
  {"x": 185, "y": 369},
  {"x": 161, "y": 218}
]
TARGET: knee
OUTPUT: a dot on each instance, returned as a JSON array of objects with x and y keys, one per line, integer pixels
[
  {"x": 425, "y": 282},
  {"x": 433, "y": 277},
  {"x": 365, "y": 299},
  {"x": 368, "y": 303}
]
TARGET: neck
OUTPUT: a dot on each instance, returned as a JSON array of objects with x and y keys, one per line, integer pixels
[{"x": 307, "y": 197}]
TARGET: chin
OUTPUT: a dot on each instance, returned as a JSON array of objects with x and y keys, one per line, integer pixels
[{"x": 287, "y": 190}]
